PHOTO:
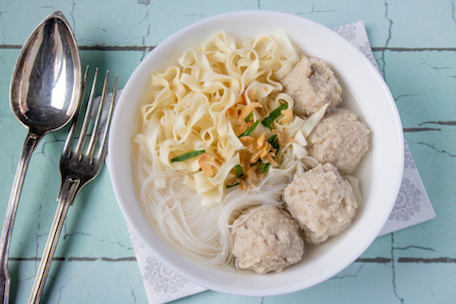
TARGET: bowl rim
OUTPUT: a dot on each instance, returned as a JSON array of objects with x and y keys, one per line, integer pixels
[{"x": 169, "y": 258}]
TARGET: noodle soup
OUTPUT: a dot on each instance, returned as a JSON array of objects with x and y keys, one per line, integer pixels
[
  {"x": 379, "y": 172},
  {"x": 220, "y": 135}
]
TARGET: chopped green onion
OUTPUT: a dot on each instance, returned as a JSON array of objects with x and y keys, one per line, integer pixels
[
  {"x": 274, "y": 114},
  {"x": 229, "y": 186},
  {"x": 238, "y": 169},
  {"x": 264, "y": 167},
  {"x": 249, "y": 117},
  {"x": 274, "y": 141},
  {"x": 250, "y": 130},
  {"x": 187, "y": 155}
]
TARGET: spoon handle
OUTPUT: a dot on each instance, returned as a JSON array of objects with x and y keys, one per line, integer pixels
[{"x": 30, "y": 144}]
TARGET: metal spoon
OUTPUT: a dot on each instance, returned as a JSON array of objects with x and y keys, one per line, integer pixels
[{"x": 45, "y": 90}]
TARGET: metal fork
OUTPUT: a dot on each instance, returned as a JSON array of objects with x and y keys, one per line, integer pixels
[{"x": 77, "y": 169}]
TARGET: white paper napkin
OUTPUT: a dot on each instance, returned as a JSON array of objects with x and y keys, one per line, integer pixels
[{"x": 412, "y": 207}]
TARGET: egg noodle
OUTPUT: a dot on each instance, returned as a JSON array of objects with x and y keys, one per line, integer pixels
[{"x": 220, "y": 110}]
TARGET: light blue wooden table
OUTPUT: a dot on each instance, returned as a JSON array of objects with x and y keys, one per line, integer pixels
[{"x": 414, "y": 43}]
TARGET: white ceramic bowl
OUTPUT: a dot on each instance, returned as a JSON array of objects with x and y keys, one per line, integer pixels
[{"x": 380, "y": 172}]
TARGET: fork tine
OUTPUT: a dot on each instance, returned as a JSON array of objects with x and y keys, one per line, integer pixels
[
  {"x": 95, "y": 132},
  {"x": 69, "y": 139},
  {"x": 107, "y": 124},
  {"x": 85, "y": 125}
]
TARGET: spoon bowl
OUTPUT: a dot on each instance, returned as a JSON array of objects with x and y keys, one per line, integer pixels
[
  {"x": 45, "y": 89},
  {"x": 46, "y": 77}
]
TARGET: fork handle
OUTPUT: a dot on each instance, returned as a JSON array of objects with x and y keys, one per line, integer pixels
[{"x": 68, "y": 192}]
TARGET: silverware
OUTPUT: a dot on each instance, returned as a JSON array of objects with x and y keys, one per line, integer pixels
[
  {"x": 44, "y": 96},
  {"x": 77, "y": 168}
]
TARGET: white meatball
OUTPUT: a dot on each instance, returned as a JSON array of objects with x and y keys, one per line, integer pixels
[
  {"x": 312, "y": 84},
  {"x": 322, "y": 202},
  {"x": 267, "y": 240},
  {"x": 341, "y": 139}
]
